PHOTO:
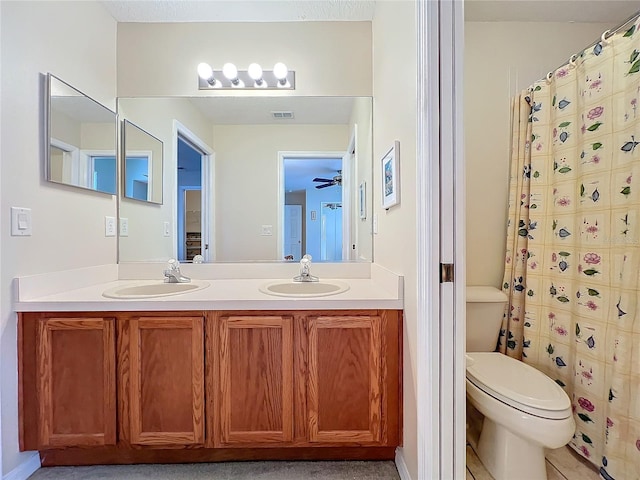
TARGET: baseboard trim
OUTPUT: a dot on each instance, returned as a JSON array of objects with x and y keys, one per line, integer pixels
[
  {"x": 25, "y": 469},
  {"x": 401, "y": 465}
]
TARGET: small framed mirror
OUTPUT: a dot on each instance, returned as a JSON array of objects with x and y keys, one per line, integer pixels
[
  {"x": 142, "y": 164},
  {"x": 80, "y": 141}
]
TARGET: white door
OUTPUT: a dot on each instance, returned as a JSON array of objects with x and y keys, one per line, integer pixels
[
  {"x": 292, "y": 232},
  {"x": 331, "y": 232}
]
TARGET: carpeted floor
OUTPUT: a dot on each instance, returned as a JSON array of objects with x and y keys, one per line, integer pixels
[{"x": 342, "y": 470}]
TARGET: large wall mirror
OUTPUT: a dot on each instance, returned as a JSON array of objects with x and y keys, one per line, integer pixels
[
  {"x": 80, "y": 139},
  {"x": 255, "y": 179},
  {"x": 142, "y": 165}
]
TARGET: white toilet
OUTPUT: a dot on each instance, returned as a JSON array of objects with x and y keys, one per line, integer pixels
[{"x": 524, "y": 410}]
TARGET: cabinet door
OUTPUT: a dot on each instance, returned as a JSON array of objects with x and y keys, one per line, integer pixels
[
  {"x": 255, "y": 391},
  {"x": 76, "y": 382},
  {"x": 166, "y": 403},
  {"x": 344, "y": 387}
]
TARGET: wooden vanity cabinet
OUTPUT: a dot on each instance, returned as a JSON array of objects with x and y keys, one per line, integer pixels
[
  {"x": 190, "y": 386},
  {"x": 161, "y": 380},
  {"x": 69, "y": 396},
  {"x": 253, "y": 357}
]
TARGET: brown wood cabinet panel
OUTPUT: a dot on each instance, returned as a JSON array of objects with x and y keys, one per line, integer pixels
[
  {"x": 166, "y": 371},
  {"x": 255, "y": 389},
  {"x": 76, "y": 382},
  {"x": 345, "y": 379}
]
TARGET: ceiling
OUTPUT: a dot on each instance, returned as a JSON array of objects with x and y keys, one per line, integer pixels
[{"x": 604, "y": 11}]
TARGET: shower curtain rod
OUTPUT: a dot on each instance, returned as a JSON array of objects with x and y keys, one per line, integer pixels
[{"x": 606, "y": 34}]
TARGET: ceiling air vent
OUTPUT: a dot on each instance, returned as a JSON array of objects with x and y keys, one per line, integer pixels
[{"x": 282, "y": 115}]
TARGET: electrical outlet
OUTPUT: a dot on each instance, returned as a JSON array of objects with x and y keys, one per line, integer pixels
[
  {"x": 109, "y": 226},
  {"x": 124, "y": 227},
  {"x": 266, "y": 231}
]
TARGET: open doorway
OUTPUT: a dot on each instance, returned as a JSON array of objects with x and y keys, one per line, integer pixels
[
  {"x": 309, "y": 181},
  {"x": 194, "y": 191}
]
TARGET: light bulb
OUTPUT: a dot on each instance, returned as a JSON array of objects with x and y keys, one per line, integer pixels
[
  {"x": 205, "y": 72},
  {"x": 230, "y": 71},
  {"x": 255, "y": 71},
  {"x": 280, "y": 71}
]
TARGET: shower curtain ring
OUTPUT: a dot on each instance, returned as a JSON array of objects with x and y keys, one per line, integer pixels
[
  {"x": 604, "y": 36},
  {"x": 572, "y": 60},
  {"x": 549, "y": 76}
]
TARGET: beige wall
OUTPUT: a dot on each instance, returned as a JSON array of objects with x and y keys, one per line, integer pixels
[
  {"x": 76, "y": 42},
  {"x": 500, "y": 59},
  {"x": 247, "y": 181},
  {"x": 362, "y": 117},
  {"x": 329, "y": 58},
  {"x": 394, "y": 118}
]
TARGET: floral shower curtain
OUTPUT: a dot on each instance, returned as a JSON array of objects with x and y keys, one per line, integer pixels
[{"x": 573, "y": 244}]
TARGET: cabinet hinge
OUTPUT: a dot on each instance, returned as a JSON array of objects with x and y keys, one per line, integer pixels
[{"x": 446, "y": 272}]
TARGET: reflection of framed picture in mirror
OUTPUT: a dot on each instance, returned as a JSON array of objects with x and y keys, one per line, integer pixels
[
  {"x": 362, "y": 200},
  {"x": 390, "y": 165}
]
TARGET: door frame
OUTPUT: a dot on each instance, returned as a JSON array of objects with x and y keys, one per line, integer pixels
[
  {"x": 441, "y": 239},
  {"x": 207, "y": 183},
  {"x": 346, "y": 192}
]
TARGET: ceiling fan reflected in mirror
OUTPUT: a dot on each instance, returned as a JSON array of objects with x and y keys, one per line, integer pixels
[{"x": 329, "y": 182}]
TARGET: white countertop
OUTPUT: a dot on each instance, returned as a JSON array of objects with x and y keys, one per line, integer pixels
[{"x": 383, "y": 290}]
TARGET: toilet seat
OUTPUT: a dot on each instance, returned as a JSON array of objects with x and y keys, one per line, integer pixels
[{"x": 517, "y": 384}]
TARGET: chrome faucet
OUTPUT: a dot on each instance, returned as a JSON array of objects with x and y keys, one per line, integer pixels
[
  {"x": 172, "y": 273},
  {"x": 305, "y": 271}
]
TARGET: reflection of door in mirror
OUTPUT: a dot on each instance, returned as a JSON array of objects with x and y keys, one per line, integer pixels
[{"x": 293, "y": 246}]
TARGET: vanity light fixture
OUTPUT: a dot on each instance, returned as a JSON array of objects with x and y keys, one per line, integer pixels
[
  {"x": 252, "y": 78},
  {"x": 205, "y": 72}
]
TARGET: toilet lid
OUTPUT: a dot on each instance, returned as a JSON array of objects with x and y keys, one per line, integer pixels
[{"x": 517, "y": 384}]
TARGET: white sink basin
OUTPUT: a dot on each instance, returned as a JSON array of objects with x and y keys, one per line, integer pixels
[
  {"x": 304, "y": 289},
  {"x": 152, "y": 289}
]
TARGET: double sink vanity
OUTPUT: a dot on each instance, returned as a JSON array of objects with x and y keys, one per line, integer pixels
[{"x": 117, "y": 366}]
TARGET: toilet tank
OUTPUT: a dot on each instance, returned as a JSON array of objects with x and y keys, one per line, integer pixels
[{"x": 485, "y": 308}]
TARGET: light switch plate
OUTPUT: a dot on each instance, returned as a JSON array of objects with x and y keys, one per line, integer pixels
[
  {"x": 124, "y": 227},
  {"x": 266, "y": 231},
  {"x": 109, "y": 226},
  {"x": 20, "y": 222},
  {"x": 166, "y": 229},
  {"x": 375, "y": 223}
]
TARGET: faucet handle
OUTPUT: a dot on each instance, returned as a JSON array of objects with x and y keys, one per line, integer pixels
[
  {"x": 173, "y": 264},
  {"x": 307, "y": 257}
]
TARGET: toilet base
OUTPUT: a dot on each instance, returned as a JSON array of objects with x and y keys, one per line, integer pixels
[{"x": 507, "y": 456}]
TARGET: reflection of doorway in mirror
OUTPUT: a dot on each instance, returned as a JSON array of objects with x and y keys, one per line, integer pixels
[
  {"x": 137, "y": 166},
  {"x": 189, "y": 201},
  {"x": 308, "y": 179},
  {"x": 192, "y": 224},
  {"x": 331, "y": 232}
]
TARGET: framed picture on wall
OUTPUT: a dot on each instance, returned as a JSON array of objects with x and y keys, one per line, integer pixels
[
  {"x": 362, "y": 200},
  {"x": 390, "y": 165}
]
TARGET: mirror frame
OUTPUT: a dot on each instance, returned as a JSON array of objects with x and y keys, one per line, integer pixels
[
  {"x": 123, "y": 151},
  {"x": 47, "y": 135}
]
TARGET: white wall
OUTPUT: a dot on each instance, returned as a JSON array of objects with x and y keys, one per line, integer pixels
[
  {"x": 394, "y": 118},
  {"x": 247, "y": 182},
  {"x": 75, "y": 41},
  {"x": 500, "y": 59},
  {"x": 329, "y": 58}
]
